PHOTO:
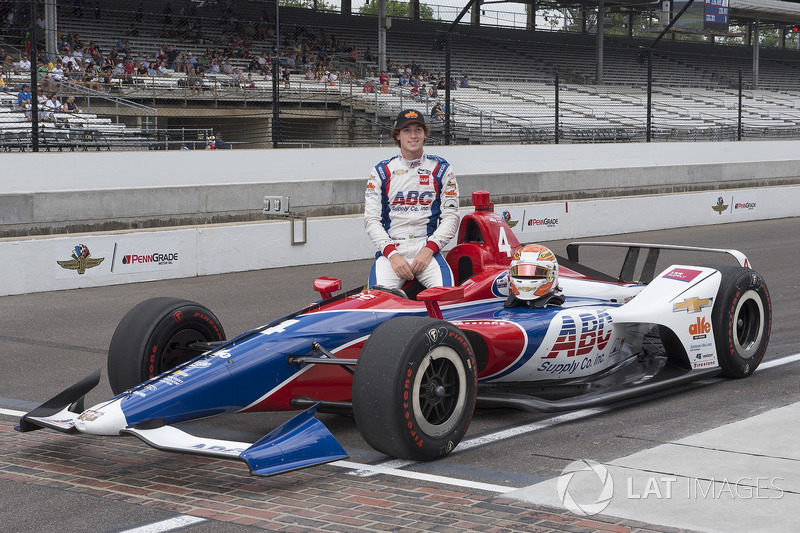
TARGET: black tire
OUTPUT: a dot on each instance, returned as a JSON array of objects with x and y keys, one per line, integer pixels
[
  {"x": 414, "y": 388},
  {"x": 149, "y": 337},
  {"x": 742, "y": 321}
]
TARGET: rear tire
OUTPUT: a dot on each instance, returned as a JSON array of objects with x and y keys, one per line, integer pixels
[
  {"x": 150, "y": 339},
  {"x": 415, "y": 388},
  {"x": 742, "y": 321}
]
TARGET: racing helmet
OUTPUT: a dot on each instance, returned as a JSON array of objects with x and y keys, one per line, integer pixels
[{"x": 533, "y": 273}]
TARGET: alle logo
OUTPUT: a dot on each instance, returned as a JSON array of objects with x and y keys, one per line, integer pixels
[{"x": 700, "y": 328}]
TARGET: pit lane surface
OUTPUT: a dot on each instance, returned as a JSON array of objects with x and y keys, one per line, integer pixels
[{"x": 55, "y": 482}]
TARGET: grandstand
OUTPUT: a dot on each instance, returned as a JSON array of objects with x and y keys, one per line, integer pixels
[{"x": 514, "y": 98}]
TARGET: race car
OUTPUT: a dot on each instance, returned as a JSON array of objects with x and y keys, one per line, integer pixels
[{"x": 411, "y": 368}]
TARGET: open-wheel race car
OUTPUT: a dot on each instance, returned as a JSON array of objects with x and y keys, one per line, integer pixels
[{"x": 412, "y": 370}]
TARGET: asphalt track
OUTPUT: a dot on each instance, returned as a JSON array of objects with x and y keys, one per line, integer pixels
[{"x": 54, "y": 482}]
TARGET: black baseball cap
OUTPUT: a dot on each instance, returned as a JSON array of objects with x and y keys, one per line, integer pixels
[{"x": 408, "y": 116}]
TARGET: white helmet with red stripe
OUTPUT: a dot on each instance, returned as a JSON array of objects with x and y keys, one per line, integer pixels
[{"x": 533, "y": 273}]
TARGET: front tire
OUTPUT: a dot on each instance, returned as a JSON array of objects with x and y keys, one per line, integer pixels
[
  {"x": 151, "y": 338},
  {"x": 414, "y": 388},
  {"x": 742, "y": 321}
]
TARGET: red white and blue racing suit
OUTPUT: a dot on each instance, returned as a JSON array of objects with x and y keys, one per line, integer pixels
[{"x": 409, "y": 205}]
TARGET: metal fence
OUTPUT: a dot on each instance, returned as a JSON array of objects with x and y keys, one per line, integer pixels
[{"x": 248, "y": 74}]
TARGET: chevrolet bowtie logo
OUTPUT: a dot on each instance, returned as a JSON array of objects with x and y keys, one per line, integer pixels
[{"x": 692, "y": 305}]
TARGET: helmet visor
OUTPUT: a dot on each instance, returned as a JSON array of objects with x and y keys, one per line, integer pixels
[{"x": 530, "y": 271}]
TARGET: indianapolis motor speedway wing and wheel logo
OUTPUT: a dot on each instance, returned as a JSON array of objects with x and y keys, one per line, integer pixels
[{"x": 585, "y": 487}]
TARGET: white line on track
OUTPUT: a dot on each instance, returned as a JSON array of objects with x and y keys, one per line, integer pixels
[
  {"x": 419, "y": 476},
  {"x": 394, "y": 467},
  {"x": 396, "y": 464},
  {"x": 167, "y": 525}
]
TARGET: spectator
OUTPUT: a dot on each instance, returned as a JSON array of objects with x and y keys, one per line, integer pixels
[
  {"x": 433, "y": 92},
  {"x": 194, "y": 81},
  {"x": 3, "y": 87},
  {"x": 227, "y": 67},
  {"x": 5, "y": 59},
  {"x": 70, "y": 106},
  {"x": 219, "y": 144},
  {"x": 453, "y": 84},
  {"x": 369, "y": 86},
  {"x": 68, "y": 59},
  {"x": 465, "y": 81},
  {"x": 57, "y": 72},
  {"x": 24, "y": 99},
  {"x": 402, "y": 80},
  {"x": 52, "y": 108},
  {"x": 437, "y": 113},
  {"x": 415, "y": 91},
  {"x": 90, "y": 77},
  {"x": 24, "y": 63},
  {"x": 164, "y": 71}
]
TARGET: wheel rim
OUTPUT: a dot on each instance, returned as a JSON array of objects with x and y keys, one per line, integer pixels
[
  {"x": 440, "y": 391},
  {"x": 748, "y": 325},
  {"x": 174, "y": 353}
]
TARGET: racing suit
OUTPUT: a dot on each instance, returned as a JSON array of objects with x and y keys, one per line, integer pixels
[{"x": 409, "y": 205}]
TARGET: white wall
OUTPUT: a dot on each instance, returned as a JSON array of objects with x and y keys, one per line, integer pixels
[
  {"x": 206, "y": 250},
  {"x": 78, "y": 171}
]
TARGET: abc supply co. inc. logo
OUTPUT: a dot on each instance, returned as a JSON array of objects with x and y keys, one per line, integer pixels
[{"x": 585, "y": 487}]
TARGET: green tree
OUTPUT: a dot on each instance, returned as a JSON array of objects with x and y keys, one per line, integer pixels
[
  {"x": 395, "y": 8},
  {"x": 322, "y": 5}
]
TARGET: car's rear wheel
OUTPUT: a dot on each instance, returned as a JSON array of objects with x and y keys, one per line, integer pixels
[
  {"x": 414, "y": 388},
  {"x": 154, "y": 336},
  {"x": 742, "y": 321}
]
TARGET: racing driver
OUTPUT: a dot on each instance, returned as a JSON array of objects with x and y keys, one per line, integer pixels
[
  {"x": 411, "y": 210},
  {"x": 533, "y": 278}
]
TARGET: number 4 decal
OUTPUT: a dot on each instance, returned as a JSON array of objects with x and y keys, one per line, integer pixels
[
  {"x": 502, "y": 243},
  {"x": 280, "y": 328}
]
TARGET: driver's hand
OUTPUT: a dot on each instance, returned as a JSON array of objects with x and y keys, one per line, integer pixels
[
  {"x": 422, "y": 260},
  {"x": 401, "y": 267}
]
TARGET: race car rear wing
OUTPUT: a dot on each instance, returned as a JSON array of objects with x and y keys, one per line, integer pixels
[{"x": 652, "y": 252}]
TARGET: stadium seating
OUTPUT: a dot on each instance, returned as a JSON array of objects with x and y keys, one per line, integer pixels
[{"x": 512, "y": 74}]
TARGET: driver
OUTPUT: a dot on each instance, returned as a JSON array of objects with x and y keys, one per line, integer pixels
[
  {"x": 411, "y": 210},
  {"x": 533, "y": 278}
]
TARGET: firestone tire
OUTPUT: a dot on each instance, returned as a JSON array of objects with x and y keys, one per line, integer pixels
[
  {"x": 149, "y": 337},
  {"x": 742, "y": 321},
  {"x": 415, "y": 388}
]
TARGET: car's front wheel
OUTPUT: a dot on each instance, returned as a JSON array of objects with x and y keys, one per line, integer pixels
[
  {"x": 414, "y": 388},
  {"x": 155, "y": 336}
]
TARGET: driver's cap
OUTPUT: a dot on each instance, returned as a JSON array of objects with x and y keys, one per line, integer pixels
[{"x": 408, "y": 116}]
